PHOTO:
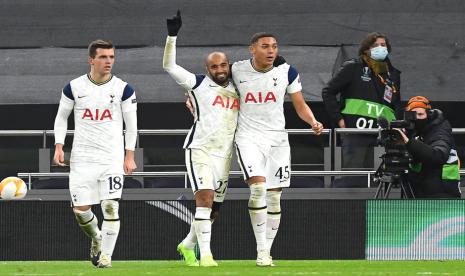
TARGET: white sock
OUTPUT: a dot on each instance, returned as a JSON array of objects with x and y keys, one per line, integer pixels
[
  {"x": 203, "y": 229},
  {"x": 190, "y": 240},
  {"x": 110, "y": 226},
  {"x": 110, "y": 231},
  {"x": 273, "y": 201},
  {"x": 272, "y": 226},
  {"x": 257, "y": 212},
  {"x": 88, "y": 223}
]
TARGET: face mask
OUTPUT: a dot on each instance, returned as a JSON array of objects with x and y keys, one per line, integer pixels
[
  {"x": 378, "y": 53},
  {"x": 420, "y": 124}
]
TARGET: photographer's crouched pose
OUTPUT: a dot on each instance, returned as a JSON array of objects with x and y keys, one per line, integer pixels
[{"x": 434, "y": 171}]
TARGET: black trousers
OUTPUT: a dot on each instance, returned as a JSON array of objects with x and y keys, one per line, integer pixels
[{"x": 357, "y": 151}]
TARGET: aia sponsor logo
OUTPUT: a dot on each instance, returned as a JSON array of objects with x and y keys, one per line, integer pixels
[
  {"x": 260, "y": 97},
  {"x": 229, "y": 103},
  {"x": 97, "y": 115}
]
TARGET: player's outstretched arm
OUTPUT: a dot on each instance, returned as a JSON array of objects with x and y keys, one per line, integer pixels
[
  {"x": 183, "y": 77},
  {"x": 305, "y": 113}
]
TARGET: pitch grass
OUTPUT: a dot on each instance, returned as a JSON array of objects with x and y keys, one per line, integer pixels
[{"x": 239, "y": 268}]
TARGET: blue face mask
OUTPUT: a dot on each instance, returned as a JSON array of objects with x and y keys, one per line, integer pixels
[{"x": 378, "y": 53}]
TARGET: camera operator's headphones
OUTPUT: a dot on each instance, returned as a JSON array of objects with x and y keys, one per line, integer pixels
[{"x": 418, "y": 101}]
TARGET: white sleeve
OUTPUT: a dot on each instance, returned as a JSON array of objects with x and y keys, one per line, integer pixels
[
  {"x": 183, "y": 77},
  {"x": 130, "y": 119},
  {"x": 129, "y": 101},
  {"x": 61, "y": 120}
]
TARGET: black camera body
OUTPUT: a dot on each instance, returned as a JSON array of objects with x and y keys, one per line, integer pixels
[{"x": 396, "y": 159}]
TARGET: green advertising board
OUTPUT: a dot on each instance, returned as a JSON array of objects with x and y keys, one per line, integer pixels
[{"x": 415, "y": 229}]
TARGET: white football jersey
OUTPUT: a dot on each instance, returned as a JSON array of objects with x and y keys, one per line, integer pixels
[
  {"x": 216, "y": 107},
  {"x": 261, "y": 117},
  {"x": 98, "y": 118},
  {"x": 216, "y": 110}
]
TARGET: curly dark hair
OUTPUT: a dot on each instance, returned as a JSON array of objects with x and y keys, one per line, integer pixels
[{"x": 368, "y": 41}]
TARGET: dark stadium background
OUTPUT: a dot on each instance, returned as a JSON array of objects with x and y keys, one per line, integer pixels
[{"x": 43, "y": 46}]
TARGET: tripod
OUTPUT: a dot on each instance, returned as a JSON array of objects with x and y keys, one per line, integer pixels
[{"x": 387, "y": 180}]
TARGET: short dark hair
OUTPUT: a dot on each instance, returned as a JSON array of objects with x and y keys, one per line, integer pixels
[
  {"x": 99, "y": 43},
  {"x": 368, "y": 41},
  {"x": 257, "y": 36}
]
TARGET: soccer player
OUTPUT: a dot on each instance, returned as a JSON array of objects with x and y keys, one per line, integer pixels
[
  {"x": 101, "y": 103},
  {"x": 208, "y": 146},
  {"x": 261, "y": 139}
]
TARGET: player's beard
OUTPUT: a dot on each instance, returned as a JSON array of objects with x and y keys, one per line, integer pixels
[{"x": 220, "y": 78}]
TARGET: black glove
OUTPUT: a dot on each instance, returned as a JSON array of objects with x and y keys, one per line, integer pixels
[
  {"x": 174, "y": 24},
  {"x": 279, "y": 60}
]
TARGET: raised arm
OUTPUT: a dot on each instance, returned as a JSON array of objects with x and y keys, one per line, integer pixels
[{"x": 183, "y": 77}]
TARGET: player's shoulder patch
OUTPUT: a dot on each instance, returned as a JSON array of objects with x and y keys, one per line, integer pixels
[
  {"x": 127, "y": 92},
  {"x": 292, "y": 74},
  {"x": 198, "y": 80},
  {"x": 68, "y": 92}
]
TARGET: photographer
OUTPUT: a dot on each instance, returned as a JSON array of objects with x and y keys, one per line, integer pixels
[{"x": 434, "y": 171}]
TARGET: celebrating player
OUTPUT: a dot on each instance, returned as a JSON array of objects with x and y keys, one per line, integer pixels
[
  {"x": 261, "y": 139},
  {"x": 209, "y": 142},
  {"x": 101, "y": 103}
]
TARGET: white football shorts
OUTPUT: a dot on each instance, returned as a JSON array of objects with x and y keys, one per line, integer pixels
[
  {"x": 271, "y": 162},
  {"x": 89, "y": 184},
  {"x": 208, "y": 172}
]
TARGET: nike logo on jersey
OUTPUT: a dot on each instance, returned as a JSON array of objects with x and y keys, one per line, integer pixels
[
  {"x": 260, "y": 97},
  {"x": 80, "y": 97},
  {"x": 205, "y": 232},
  {"x": 96, "y": 115},
  {"x": 213, "y": 85},
  {"x": 112, "y": 192},
  {"x": 260, "y": 224},
  {"x": 241, "y": 81},
  {"x": 111, "y": 234}
]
